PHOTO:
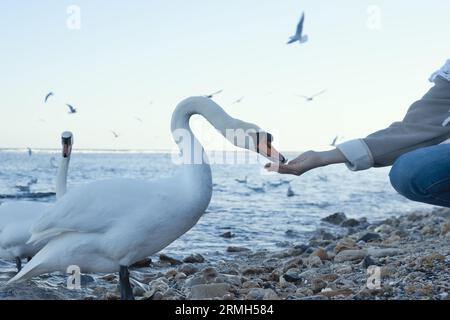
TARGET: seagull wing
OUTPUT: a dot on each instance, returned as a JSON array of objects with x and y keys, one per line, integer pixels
[
  {"x": 215, "y": 93},
  {"x": 319, "y": 93},
  {"x": 48, "y": 96},
  {"x": 299, "y": 31},
  {"x": 72, "y": 109}
]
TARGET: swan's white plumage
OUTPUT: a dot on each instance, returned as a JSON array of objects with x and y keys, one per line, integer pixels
[
  {"x": 16, "y": 219},
  {"x": 106, "y": 224}
]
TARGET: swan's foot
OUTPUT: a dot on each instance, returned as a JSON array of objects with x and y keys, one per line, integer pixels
[
  {"x": 126, "y": 292},
  {"x": 29, "y": 259},
  {"x": 18, "y": 264}
]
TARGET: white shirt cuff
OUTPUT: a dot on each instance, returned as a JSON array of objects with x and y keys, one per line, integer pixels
[{"x": 357, "y": 153}]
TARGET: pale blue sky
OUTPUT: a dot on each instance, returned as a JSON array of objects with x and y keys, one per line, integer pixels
[{"x": 130, "y": 53}]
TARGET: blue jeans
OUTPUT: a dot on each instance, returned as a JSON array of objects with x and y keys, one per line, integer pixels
[{"x": 423, "y": 175}]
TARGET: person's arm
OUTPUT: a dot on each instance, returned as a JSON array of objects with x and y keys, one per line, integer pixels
[
  {"x": 308, "y": 161},
  {"x": 425, "y": 124}
]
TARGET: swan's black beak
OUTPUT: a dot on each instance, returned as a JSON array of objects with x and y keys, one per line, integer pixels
[
  {"x": 264, "y": 147},
  {"x": 67, "y": 141}
]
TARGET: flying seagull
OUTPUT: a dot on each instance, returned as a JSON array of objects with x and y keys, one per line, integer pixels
[
  {"x": 71, "y": 108},
  {"x": 311, "y": 98},
  {"x": 114, "y": 134},
  {"x": 299, "y": 32},
  {"x": 210, "y": 96},
  {"x": 138, "y": 119},
  {"x": 238, "y": 100},
  {"x": 48, "y": 96}
]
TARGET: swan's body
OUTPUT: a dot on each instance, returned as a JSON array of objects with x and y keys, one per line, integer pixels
[
  {"x": 106, "y": 226},
  {"x": 16, "y": 219}
]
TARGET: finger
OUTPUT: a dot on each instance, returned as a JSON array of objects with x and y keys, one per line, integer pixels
[{"x": 280, "y": 168}]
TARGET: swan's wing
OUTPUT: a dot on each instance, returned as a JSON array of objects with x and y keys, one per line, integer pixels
[
  {"x": 299, "y": 30},
  {"x": 100, "y": 206}
]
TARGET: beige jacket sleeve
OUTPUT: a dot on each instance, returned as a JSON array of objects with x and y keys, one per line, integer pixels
[{"x": 426, "y": 123}]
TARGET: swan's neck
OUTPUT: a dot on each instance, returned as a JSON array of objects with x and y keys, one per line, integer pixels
[
  {"x": 61, "y": 178},
  {"x": 194, "y": 159}
]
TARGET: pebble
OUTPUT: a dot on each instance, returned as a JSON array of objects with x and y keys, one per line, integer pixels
[
  {"x": 350, "y": 223},
  {"x": 255, "y": 294},
  {"x": 336, "y": 218},
  {"x": 292, "y": 275},
  {"x": 170, "y": 260},
  {"x": 209, "y": 274},
  {"x": 234, "y": 280},
  {"x": 313, "y": 261},
  {"x": 209, "y": 291},
  {"x": 317, "y": 285},
  {"x": 367, "y": 262},
  {"x": 336, "y": 293},
  {"x": 188, "y": 269},
  {"x": 388, "y": 252},
  {"x": 250, "y": 284},
  {"x": 322, "y": 254},
  {"x": 145, "y": 263},
  {"x": 293, "y": 263},
  {"x": 270, "y": 294},
  {"x": 345, "y": 244},
  {"x": 350, "y": 255},
  {"x": 227, "y": 235},
  {"x": 233, "y": 249},
  {"x": 445, "y": 229},
  {"x": 194, "y": 258},
  {"x": 370, "y": 236}
]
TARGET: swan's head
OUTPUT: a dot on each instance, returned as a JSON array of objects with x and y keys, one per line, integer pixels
[
  {"x": 67, "y": 142},
  {"x": 262, "y": 144},
  {"x": 249, "y": 136}
]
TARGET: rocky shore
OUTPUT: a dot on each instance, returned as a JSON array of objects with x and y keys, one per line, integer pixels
[{"x": 400, "y": 258}]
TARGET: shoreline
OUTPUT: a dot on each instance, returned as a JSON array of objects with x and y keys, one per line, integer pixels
[{"x": 409, "y": 256}]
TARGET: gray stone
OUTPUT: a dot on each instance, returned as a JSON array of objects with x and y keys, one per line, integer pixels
[
  {"x": 170, "y": 260},
  {"x": 188, "y": 269},
  {"x": 336, "y": 218},
  {"x": 350, "y": 223},
  {"x": 367, "y": 262},
  {"x": 209, "y": 291},
  {"x": 387, "y": 252},
  {"x": 194, "y": 258},
  {"x": 350, "y": 255},
  {"x": 370, "y": 236},
  {"x": 233, "y": 249}
]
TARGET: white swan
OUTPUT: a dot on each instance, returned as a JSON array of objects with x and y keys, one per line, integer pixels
[
  {"x": 106, "y": 226},
  {"x": 16, "y": 218}
]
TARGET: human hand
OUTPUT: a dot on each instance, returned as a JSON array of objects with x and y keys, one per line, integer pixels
[{"x": 306, "y": 162}]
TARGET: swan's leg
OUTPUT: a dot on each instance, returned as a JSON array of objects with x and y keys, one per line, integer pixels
[
  {"x": 126, "y": 292},
  {"x": 18, "y": 264},
  {"x": 28, "y": 259}
]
